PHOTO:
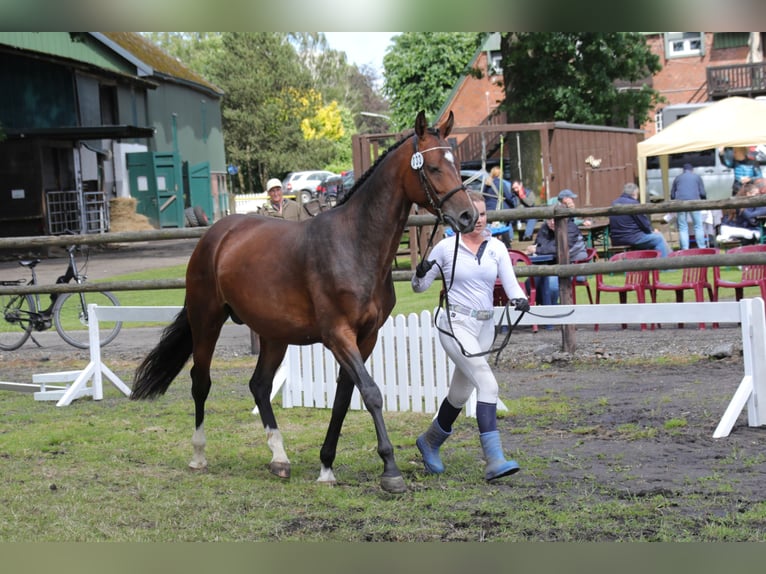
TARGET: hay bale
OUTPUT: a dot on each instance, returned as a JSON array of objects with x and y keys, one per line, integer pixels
[{"x": 123, "y": 216}]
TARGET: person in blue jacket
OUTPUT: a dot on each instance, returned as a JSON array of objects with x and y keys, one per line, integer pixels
[
  {"x": 745, "y": 164},
  {"x": 689, "y": 186},
  {"x": 635, "y": 229}
]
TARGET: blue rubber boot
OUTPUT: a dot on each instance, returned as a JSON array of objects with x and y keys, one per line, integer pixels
[
  {"x": 497, "y": 466},
  {"x": 428, "y": 444}
]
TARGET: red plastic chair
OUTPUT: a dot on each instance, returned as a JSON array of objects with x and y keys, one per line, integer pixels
[
  {"x": 693, "y": 278},
  {"x": 591, "y": 255},
  {"x": 498, "y": 295},
  {"x": 752, "y": 275},
  {"x": 638, "y": 282}
]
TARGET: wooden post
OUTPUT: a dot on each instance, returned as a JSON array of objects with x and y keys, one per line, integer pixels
[{"x": 568, "y": 343}]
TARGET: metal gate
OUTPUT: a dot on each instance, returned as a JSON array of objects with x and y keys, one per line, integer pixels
[{"x": 77, "y": 212}]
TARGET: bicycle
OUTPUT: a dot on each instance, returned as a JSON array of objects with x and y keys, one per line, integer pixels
[{"x": 67, "y": 312}]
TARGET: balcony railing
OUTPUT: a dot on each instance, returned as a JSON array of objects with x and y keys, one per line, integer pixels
[{"x": 737, "y": 80}]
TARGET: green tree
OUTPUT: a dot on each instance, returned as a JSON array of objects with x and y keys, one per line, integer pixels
[
  {"x": 291, "y": 103},
  {"x": 421, "y": 68},
  {"x": 598, "y": 78},
  {"x": 265, "y": 86}
]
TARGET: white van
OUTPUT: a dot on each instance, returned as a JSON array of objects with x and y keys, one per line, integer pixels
[{"x": 717, "y": 178}]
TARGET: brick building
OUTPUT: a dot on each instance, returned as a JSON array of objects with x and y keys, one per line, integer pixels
[{"x": 699, "y": 67}]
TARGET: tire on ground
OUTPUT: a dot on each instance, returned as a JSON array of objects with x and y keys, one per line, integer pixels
[
  {"x": 191, "y": 217},
  {"x": 201, "y": 216}
]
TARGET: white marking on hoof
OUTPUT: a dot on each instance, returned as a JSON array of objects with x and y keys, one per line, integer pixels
[
  {"x": 198, "y": 461},
  {"x": 326, "y": 476},
  {"x": 274, "y": 440}
]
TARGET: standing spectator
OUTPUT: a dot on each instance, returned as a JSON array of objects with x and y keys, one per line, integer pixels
[
  {"x": 689, "y": 186},
  {"x": 525, "y": 197},
  {"x": 745, "y": 164},
  {"x": 279, "y": 206},
  {"x": 468, "y": 332},
  {"x": 497, "y": 195},
  {"x": 635, "y": 229}
]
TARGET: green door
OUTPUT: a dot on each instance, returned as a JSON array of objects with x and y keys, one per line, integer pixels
[
  {"x": 167, "y": 170},
  {"x": 198, "y": 181},
  {"x": 143, "y": 185},
  {"x": 156, "y": 183}
]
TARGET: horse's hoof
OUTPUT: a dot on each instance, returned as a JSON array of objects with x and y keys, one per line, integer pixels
[
  {"x": 393, "y": 484},
  {"x": 198, "y": 466},
  {"x": 281, "y": 469}
]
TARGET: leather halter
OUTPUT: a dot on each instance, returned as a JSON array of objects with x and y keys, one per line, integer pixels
[{"x": 434, "y": 200}]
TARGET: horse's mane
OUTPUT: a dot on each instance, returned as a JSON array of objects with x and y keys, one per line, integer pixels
[{"x": 366, "y": 174}]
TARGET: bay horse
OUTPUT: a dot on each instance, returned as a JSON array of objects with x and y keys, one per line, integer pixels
[{"x": 325, "y": 279}]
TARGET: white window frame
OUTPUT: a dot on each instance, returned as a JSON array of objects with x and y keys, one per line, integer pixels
[
  {"x": 681, "y": 44},
  {"x": 495, "y": 58}
]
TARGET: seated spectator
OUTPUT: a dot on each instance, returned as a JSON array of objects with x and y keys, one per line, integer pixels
[
  {"x": 635, "y": 230},
  {"x": 545, "y": 244},
  {"x": 741, "y": 224}
]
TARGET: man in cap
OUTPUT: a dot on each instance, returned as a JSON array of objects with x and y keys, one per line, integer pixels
[
  {"x": 279, "y": 206},
  {"x": 566, "y": 197},
  {"x": 688, "y": 186}
]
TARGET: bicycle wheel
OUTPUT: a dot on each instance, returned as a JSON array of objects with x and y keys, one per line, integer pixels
[
  {"x": 71, "y": 318},
  {"x": 15, "y": 323}
]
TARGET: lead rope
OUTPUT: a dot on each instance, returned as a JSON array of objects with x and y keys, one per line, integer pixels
[{"x": 444, "y": 302}]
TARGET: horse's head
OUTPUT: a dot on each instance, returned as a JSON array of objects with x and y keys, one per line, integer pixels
[{"x": 442, "y": 192}]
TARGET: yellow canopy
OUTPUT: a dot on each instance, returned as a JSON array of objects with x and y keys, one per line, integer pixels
[{"x": 730, "y": 122}]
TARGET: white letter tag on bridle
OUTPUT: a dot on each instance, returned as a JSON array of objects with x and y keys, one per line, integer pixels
[{"x": 417, "y": 160}]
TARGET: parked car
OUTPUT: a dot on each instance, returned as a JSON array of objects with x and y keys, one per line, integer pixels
[
  {"x": 303, "y": 184},
  {"x": 348, "y": 179},
  {"x": 475, "y": 178},
  {"x": 331, "y": 188}
]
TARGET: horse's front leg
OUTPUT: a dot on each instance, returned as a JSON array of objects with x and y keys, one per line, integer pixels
[
  {"x": 261, "y": 383},
  {"x": 391, "y": 480}
]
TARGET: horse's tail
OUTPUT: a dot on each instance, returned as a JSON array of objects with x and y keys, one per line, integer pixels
[{"x": 154, "y": 375}]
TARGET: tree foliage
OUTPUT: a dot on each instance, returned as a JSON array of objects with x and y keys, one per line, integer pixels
[
  {"x": 421, "y": 69},
  {"x": 600, "y": 78},
  {"x": 290, "y": 102}
]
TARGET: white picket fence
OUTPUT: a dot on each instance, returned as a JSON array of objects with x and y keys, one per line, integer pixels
[
  {"x": 409, "y": 365},
  {"x": 412, "y": 370}
]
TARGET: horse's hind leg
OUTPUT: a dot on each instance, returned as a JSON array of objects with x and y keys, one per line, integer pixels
[
  {"x": 261, "y": 383},
  {"x": 204, "y": 345},
  {"x": 343, "y": 393}
]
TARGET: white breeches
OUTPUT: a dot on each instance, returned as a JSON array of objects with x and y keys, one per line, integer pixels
[{"x": 470, "y": 372}]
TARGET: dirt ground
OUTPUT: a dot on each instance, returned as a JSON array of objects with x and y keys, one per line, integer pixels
[{"x": 630, "y": 414}]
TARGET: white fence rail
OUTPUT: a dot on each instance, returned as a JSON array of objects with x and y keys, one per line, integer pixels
[{"x": 413, "y": 371}]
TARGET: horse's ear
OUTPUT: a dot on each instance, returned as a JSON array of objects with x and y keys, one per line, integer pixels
[
  {"x": 420, "y": 124},
  {"x": 446, "y": 128}
]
